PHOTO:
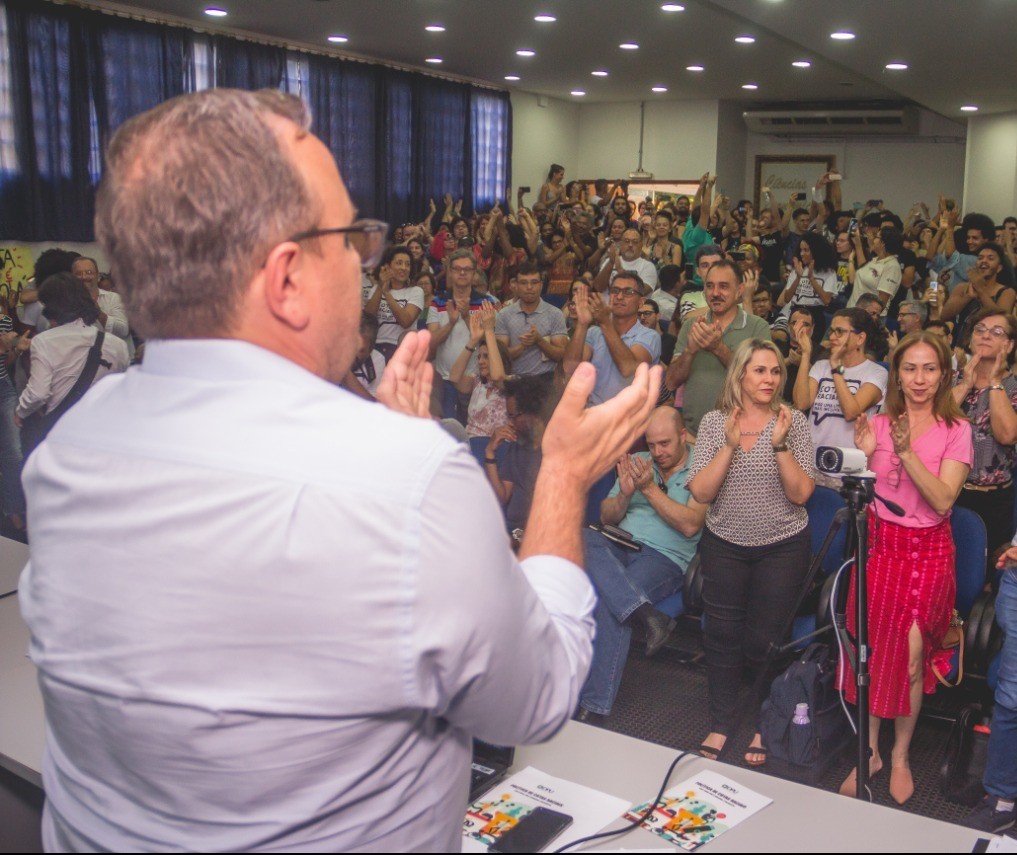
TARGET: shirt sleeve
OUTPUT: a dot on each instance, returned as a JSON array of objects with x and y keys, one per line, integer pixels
[
  {"x": 433, "y": 316},
  {"x": 799, "y": 440},
  {"x": 40, "y": 381},
  {"x": 683, "y": 339},
  {"x": 557, "y": 325},
  {"x": 819, "y": 370},
  {"x": 889, "y": 278},
  {"x": 959, "y": 444},
  {"x": 415, "y": 297},
  {"x": 116, "y": 318},
  {"x": 502, "y": 649},
  {"x": 708, "y": 442},
  {"x": 501, "y": 325}
]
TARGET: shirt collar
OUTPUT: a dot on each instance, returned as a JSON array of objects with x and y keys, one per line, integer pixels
[{"x": 225, "y": 359}]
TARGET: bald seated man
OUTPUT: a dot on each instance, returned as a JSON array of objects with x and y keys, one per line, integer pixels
[
  {"x": 251, "y": 627},
  {"x": 650, "y": 502}
]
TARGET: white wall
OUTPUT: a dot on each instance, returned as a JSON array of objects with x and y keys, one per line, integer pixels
[
  {"x": 732, "y": 136},
  {"x": 679, "y": 141},
  {"x": 990, "y": 176},
  {"x": 542, "y": 136},
  {"x": 900, "y": 172}
]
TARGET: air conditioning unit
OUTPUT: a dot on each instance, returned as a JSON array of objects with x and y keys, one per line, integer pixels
[{"x": 845, "y": 122}]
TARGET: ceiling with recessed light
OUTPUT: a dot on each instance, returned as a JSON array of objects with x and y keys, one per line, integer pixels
[{"x": 955, "y": 54}]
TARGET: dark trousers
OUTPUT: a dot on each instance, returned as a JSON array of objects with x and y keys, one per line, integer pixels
[
  {"x": 747, "y": 594},
  {"x": 996, "y": 510}
]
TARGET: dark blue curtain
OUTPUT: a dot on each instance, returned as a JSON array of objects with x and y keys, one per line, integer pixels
[
  {"x": 400, "y": 138},
  {"x": 246, "y": 65},
  {"x": 51, "y": 195},
  {"x": 136, "y": 66}
]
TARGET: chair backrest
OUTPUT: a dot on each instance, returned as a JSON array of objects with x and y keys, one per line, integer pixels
[
  {"x": 970, "y": 540},
  {"x": 598, "y": 492},
  {"x": 822, "y": 506}
]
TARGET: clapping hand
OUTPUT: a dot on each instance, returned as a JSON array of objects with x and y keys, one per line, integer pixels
[
  {"x": 385, "y": 278},
  {"x": 783, "y": 426},
  {"x": 476, "y": 328},
  {"x": 452, "y": 310},
  {"x": 600, "y": 309},
  {"x": 865, "y": 436},
  {"x": 803, "y": 338},
  {"x": 642, "y": 472},
  {"x": 488, "y": 313},
  {"x": 900, "y": 433},
  {"x": 751, "y": 282},
  {"x": 970, "y": 369},
  {"x": 999, "y": 369},
  {"x": 704, "y": 335},
  {"x": 732, "y": 432},
  {"x": 406, "y": 382},
  {"x": 530, "y": 337},
  {"x": 798, "y": 266},
  {"x": 626, "y": 481},
  {"x": 584, "y": 311}
]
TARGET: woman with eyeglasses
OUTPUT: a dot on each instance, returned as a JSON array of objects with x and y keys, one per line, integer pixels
[
  {"x": 752, "y": 465},
  {"x": 920, "y": 450},
  {"x": 837, "y": 390},
  {"x": 987, "y": 393}
]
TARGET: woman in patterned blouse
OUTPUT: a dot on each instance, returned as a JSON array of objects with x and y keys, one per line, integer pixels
[
  {"x": 987, "y": 393},
  {"x": 753, "y": 464}
]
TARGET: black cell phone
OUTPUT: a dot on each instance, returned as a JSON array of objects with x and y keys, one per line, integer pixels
[
  {"x": 524, "y": 189},
  {"x": 533, "y": 832},
  {"x": 737, "y": 256},
  {"x": 690, "y": 271},
  {"x": 800, "y": 197}
]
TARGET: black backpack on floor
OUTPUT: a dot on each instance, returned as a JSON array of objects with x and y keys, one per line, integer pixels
[
  {"x": 805, "y": 752},
  {"x": 964, "y": 758}
]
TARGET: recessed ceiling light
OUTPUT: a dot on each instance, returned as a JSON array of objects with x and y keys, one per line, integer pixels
[
  {"x": 694, "y": 68},
  {"x": 526, "y": 52},
  {"x": 802, "y": 63},
  {"x": 658, "y": 89},
  {"x": 338, "y": 40},
  {"x": 544, "y": 19},
  {"x": 435, "y": 28},
  {"x": 673, "y": 7},
  {"x": 896, "y": 66},
  {"x": 749, "y": 86},
  {"x": 600, "y": 73},
  {"x": 842, "y": 36},
  {"x": 745, "y": 40},
  {"x": 578, "y": 92},
  {"x": 215, "y": 12},
  {"x": 629, "y": 46},
  {"x": 969, "y": 108},
  {"x": 434, "y": 60},
  {"x": 512, "y": 77}
]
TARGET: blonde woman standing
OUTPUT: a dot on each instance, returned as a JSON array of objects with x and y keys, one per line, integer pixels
[{"x": 753, "y": 465}]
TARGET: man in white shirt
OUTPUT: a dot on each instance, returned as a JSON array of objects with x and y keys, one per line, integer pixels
[
  {"x": 626, "y": 255},
  {"x": 252, "y": 628},
  {"x": 112, "y": 317}
]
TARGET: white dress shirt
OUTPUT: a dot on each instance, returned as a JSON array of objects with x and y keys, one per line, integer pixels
[
  {"x": 58, "y": 357},
  {"x": 116, "y": 317},
  {"x": 260, "y": 626}
]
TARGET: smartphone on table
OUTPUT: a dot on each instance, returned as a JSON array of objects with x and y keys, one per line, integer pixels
[{"x": 533, "y": 832}]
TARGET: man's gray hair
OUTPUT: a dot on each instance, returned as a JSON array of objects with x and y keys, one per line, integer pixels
[
  {"x": 196, "y": 193},
  {"x": 919, "y": 308},
  {"x": 463, "y": 253}
]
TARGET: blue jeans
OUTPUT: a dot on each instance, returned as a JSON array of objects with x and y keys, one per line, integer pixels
[
  {"x": 1001, "y": 768},
  {"x": 12, "y": 499},
  {"x": 624, "y": 581}
]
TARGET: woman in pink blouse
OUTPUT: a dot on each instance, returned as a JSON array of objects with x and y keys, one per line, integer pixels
[{"x": 921, "y": 451}]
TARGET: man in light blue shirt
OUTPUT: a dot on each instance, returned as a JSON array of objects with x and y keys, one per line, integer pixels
[
  {"x": 610, "y": 336},
  {"x": 649, "y": 501},
  {"x": 251, "y": 625}
]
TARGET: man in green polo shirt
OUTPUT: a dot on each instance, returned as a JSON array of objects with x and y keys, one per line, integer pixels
[{"x": 706, "y": 342}]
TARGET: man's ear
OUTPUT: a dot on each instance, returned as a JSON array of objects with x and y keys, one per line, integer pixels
[{"x": 285, "y": 284}]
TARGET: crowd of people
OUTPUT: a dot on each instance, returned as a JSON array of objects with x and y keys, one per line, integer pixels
[
  {"x": 777, "y": 331},
  {"x": 784, "y": 330}
]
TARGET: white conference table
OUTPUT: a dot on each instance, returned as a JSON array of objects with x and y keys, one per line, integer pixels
[
  {"x": 800, "y": 817},
  {"x": 13, "y": 557}
]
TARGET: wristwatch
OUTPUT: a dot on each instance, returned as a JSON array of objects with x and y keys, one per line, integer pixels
[
  {"x": 490, "y": 459},
  {"x": 838, "y": 370},
  {"x": 779, "y": 448}
]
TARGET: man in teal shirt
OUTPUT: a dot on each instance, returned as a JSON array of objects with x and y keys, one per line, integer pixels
[{"x": 650, "y": 502}]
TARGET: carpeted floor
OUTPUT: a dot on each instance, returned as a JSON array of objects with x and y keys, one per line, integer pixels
[{"x": 663, "y": 700}]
